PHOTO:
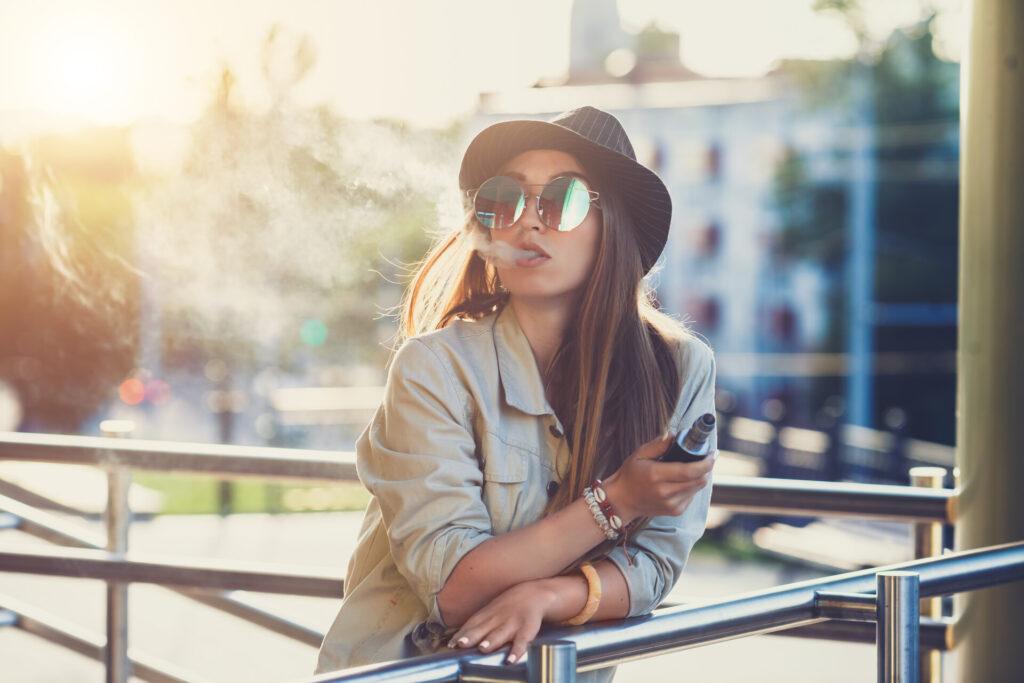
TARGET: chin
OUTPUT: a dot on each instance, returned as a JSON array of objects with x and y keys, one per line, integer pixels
[{"x": 538, "y": 290}]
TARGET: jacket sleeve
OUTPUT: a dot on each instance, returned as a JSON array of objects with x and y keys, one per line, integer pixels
[
  {"x": 660, "y": 550},
  {"x": 418, "y": 458}
]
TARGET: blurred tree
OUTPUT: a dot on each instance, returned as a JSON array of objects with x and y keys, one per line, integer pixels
[
  {"x": 289, "y": 215},
  {"x": 274, "y": 223},
  {"x": 914, "y": 96},
  {"x": 68, "y": 295}
]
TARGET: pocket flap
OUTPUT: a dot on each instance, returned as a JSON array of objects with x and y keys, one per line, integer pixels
[{"x": 504, "y": 462}]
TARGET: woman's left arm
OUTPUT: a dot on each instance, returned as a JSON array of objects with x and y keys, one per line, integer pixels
[
  {"x": 515, "y": 616},
  {"x": 630, "y": 586}
]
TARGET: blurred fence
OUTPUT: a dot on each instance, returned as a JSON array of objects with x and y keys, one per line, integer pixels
[
  {"x": 108, "y": 559},
  {"x": 842, "y": 453}
]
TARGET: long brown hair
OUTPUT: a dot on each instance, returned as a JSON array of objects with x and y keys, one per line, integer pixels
[{"x": 613, "y": 381}]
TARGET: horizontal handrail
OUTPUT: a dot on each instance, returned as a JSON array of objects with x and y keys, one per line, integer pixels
[
  {"x": 665, "y": 630},
  {"x": 741, "y": 494},
  {"x": 834, "y": 498},
  {"x": 77, "y": 639},
  {"x": 55, "y": 530},
  {"x": 180, "y": 456},
  {"x": 133, "y": 567},
  {"x": 677, "y": 628}
]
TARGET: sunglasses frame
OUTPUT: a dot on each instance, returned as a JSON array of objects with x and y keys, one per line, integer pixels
[{"x": 594, "y": 196}]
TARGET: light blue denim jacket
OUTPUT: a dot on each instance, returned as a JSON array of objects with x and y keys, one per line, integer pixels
[{"x": 463, "y": 448}]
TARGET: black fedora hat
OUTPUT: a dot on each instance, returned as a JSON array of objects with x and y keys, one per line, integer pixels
[{"x": 594, "y": 136}]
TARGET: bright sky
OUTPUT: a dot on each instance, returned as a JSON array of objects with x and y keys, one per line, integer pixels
[{"x": 119, "y": 61}]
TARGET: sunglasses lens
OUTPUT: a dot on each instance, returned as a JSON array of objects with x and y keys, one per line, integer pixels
[
  {"x": 564, "y": 203},
  {"x": 499, "y": 202}
]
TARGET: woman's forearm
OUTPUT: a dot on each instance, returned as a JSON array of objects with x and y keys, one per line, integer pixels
[
  {"x": 570, "y": 594},
  {"x": 536, "y": 551}
]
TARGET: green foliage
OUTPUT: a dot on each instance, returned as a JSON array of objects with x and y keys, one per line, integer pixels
[
  {"x": 912, "y": 97},
  {"x": 272, "y": 217},
  {"x": 814, "y": 216},
  {"x": 287, "y": 215},
  {"x": 199, "y": 495}
]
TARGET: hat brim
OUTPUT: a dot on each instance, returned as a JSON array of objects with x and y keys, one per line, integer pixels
[{"x": 646, "y": 197}]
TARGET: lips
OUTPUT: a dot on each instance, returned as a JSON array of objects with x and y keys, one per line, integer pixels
[{"x": 533, "y": 247}]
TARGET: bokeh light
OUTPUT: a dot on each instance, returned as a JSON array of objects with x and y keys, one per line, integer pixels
[
  {"x": 132, "y": 391},
  {"x": 313, "y": 332}
]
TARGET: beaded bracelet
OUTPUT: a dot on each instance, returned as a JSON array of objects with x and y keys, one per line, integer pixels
[
  {"x": 606, "y": 505},
  {"x": 608, "y": 518},
  {"x": 595, "y": 510},
  {"x": 600, "y": 508}
]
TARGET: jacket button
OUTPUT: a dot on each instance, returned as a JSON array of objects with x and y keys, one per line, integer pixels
[
  {"x": 555, "y": 431},
  {"x": 552, "y": 488}
]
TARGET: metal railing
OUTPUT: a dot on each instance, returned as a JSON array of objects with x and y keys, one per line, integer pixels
[
  {"x": 211, "y": 582},
  {"x": 887, "y": 596}
]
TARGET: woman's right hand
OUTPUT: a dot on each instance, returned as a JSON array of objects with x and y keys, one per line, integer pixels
[{"x": 647, "y": 487}]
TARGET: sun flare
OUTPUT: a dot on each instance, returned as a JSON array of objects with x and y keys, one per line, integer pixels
[{"x": 86, "y": 67}]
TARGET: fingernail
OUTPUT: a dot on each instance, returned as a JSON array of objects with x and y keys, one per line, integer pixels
[
  {"x": 511, "y": 659},
  {"x": 451, "y": 643},
  {"x": 485, "y": 643}
]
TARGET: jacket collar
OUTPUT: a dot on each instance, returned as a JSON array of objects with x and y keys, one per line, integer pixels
[{"x": 517, "y": 366}]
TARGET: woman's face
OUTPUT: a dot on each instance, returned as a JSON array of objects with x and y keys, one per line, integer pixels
[{"x": 572, "y": 253}]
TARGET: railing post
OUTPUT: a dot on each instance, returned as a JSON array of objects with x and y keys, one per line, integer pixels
[
  {"x": 928, "y": 543},
  {"x": 118, "y": 518},
  {"x": 896, "y": 421},
  {"x": 774, "y": 412},
  {"x": 830, "y": 421},
  {"x": 551, "y": 661},
  {"x": 897, "y": 626},
  {"x": 990, "y": 368}
]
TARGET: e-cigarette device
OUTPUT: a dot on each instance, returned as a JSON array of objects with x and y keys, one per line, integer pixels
[{"x": 691, "y": 445}]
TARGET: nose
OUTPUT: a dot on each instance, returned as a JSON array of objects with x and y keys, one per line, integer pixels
[{"x": 530, "y": 218}]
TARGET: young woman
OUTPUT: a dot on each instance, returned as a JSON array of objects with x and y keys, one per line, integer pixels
[{"x": 514, "y": 460}]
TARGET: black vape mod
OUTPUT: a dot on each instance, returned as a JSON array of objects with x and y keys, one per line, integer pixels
[{"x": 692, "y": 445}]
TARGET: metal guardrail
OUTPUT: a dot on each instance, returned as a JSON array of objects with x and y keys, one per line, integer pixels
[
  {"x": 180, "y": 457},
  {"x": 928, "y": 508},
  {"x": 887, "y": 596},
  {"x": 742, "y": 494}
]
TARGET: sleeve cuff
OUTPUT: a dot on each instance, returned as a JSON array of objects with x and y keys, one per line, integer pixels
[
  {"x": 445, "y": 556},
  {"x": 642, "y": 578}
]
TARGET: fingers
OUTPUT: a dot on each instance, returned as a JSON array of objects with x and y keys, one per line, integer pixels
[
  {"x": 497, "y": 638},
  {"x": 496, "y": 635},
  {"x": 669, "y": 490},
  {"x": 655, "y": 447},
  {"x": 470, "y": 633},
  {"x": 686, "y": 471},
  {"x": 487, "y": 636},
  {"x": 522, "y": 640},
  {"x": 680, "y": 503}
]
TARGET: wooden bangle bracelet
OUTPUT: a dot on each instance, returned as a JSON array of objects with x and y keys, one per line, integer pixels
[{"x": 593, "y": 595}]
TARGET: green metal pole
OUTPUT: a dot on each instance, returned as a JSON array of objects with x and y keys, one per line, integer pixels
[{"x": 990, "y": 356}]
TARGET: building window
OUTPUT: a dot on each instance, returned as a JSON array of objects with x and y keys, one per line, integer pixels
[
  {"x": 713, "y": 161},
  {"x": 782, "y": 322},
  {"x": 706, "y": 239},
  {"x": 705, "y": 310}
]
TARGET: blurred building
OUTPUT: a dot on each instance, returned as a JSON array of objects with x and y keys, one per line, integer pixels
[
  {"x": 719, "y": 145},
  {"x": 716, "y": 144}
]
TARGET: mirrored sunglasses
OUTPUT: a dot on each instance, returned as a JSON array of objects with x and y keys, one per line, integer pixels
[{"x": 562, "y": 204}]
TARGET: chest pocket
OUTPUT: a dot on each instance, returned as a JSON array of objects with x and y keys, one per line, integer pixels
[{"x": 506, "y": 470}]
